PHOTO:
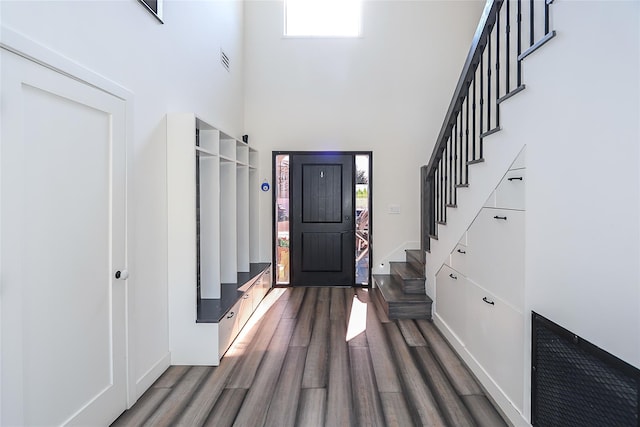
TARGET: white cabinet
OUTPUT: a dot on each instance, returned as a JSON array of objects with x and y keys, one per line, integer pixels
[
  {"x": 494, "y": 256},
  {"x": 459, "y": 258},
  {"x": 451, "y": 300},
  {"x": 212, "y": 224},
  {"x": 228, "y": 328},
  {"x": 494, "y": 336},
  {"x": 480, "y": 292},
  {"x": 510, "y": 191}
]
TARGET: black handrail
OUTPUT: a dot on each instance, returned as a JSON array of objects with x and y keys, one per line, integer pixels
[{"x": 485, "y": 26}]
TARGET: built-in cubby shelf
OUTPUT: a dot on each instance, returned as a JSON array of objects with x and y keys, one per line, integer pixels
[{"x": 212, "y": 218}]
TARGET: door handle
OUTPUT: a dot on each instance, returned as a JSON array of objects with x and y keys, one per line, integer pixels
[{"x": 122, "y": 274}]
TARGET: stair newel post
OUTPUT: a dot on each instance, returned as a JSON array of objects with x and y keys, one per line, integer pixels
[{"x": 427, "y": 207}]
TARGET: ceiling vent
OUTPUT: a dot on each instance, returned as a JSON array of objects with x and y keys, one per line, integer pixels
[{"x": 224, "y": 59}]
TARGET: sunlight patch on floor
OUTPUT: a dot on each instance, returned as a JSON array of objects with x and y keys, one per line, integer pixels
[{"x": 358, "y": 318}]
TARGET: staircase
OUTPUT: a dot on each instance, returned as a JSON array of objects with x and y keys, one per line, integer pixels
[
  {"x": 401, "y": 294},
  {"x": 491, "y": 75}
]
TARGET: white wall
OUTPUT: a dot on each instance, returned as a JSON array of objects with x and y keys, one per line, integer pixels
[
  {"x": 582, "y": 136},
  {"x": 170, "y": 67},
  {"x": 385, "y": 92}
]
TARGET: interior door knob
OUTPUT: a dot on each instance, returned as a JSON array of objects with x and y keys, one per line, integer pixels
[{"x": 122, "y": 274}]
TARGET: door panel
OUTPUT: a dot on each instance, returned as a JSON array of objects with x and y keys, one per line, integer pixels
[
  {"x": 322, "y": 220},
  {"x": 63, "y": 237}
]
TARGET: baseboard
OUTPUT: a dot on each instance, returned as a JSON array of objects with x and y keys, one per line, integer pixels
[
  {"x": 147, "y": 379},
  {"x": 494, "y": 392}
]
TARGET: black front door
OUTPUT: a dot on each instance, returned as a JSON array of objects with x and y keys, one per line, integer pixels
[{"x": 322, "y": 220}]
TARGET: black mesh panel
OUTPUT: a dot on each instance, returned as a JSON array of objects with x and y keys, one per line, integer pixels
[{"x": 573, "y": 386}]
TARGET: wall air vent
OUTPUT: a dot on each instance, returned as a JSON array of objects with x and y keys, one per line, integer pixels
[
  {"x": 575, "y": 383},
  {"x": 224, "y": 59}
]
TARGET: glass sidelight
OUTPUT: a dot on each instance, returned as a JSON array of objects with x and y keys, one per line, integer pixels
[
  {"x": 281, "y": 215},
  {"x": 362, "y": 218}
]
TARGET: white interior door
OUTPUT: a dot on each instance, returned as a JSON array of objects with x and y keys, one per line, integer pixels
[{"x": 63, "y": 225}]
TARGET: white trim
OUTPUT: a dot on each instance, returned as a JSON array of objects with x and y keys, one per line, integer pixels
[
  {"x": 32, "y": 50},
  {"x": 20, "y": 44},
  {"x": 147, "y": 379}
]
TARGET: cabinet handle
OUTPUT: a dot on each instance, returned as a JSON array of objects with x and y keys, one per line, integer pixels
[
  {"x": 245, "y": 296},
  {"x": 460, "y": 251},
  {"x": 513, "y": 178},
  {"x": 453, "y": 277},
  {"x": 500, "y": 217},
  {"x": 230, "y": 315},
  {"x": 487, "y": 301}
]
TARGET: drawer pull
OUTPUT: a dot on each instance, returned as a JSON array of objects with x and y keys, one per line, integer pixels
[
  {"x": 460, "y": 251},
  {"x": 453, "y": 277},
  {"x": 246, "y": 296},
  {"x": 513, "y": 178},
  {"x": 230, "y": 315},
  {"x": 487, "y": 301},
  {"x": 500, "y": 217}
]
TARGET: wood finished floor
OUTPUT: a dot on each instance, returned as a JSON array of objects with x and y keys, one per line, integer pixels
[{"x": 299, "y": 361}]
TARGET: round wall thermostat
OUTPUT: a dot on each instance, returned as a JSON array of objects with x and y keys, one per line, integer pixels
[{"x": 265, "y": 186}]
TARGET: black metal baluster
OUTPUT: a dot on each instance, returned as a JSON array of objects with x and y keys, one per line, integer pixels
[
  {"x": 489, "y": 83},
  {"x": 466, "y": 155},
  {"x": 436, "y": 177},
  {"x": 531, "y": 24},
  {"x": 460, "y": 148},
  {"x": 497, "y": 30},
  {"x": 454, "y": 155},
  {"x": 519, "y": 63},
  {"x": 481, "y": 101},
  {"x": 507, "y": 49},
  {"x": 450, "y": 175},
  {"x": 444, "y": 183},
  {"x": 443, "y": 194},
  {"x": 546, "y": 17},
  {"x": 473, "y": 133}
]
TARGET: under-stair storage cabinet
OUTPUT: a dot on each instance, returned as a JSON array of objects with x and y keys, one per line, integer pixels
[
  {"x": 480, "y": 290},
  {"x": 214, "y": 280}
]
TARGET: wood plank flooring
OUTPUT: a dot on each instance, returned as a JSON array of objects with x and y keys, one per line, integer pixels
[{"x": 321, "y": 357}]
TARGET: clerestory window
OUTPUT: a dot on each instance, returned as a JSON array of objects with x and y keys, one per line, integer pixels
[{"x": 323, "y": 18}]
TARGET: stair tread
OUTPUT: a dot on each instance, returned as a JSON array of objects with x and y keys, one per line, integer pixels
[
  {"x": 406, "y": 271},
  {"x": 392, "y": 290}
]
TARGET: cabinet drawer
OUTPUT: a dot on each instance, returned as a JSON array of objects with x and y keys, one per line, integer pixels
[
  {"x": 246, "y": 307},
  {"x": 510, "y": 192},
  {"x": 228, "y": 328},
  {"x": 495, "y": 254},
  {"x": 495, "y": 338},
  {"x": 450, "y": 300},
  {"x": 459, "y": 259},
  {"x": 262, "y": 287}
]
